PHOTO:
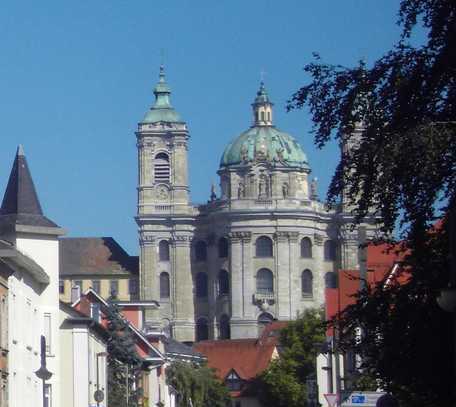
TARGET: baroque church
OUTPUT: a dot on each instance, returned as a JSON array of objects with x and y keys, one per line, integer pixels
[{"x": 264, "y": 250}]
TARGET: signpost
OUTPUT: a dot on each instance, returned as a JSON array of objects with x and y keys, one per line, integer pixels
[
  {"x": 331, "y": 398},
  {"x": 312, "y": 391},
  {"x": 360, "y": 399}
]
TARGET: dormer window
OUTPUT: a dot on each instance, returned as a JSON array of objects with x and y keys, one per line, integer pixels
[{"x": 233, "y": 381}]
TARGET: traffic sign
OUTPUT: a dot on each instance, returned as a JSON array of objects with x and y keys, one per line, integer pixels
[
  {"x": 360, "y": 399},
  {"x": 331, "y": 398}
]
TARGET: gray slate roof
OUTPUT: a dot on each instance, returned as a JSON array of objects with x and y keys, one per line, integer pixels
[
  {"x": 20, "y": 203},
  {"x": 95, "y": 255},
  {"x": 178, "y": 350}
]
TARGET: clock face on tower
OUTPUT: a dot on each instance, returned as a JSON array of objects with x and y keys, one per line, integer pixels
[{"x": 162, "y": 193}]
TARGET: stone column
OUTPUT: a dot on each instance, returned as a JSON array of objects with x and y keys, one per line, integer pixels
[
  {"x": 237, "y": 286},
  {"x": 149, "y": 282},
  {"x": 183, "y": 305},
  {"x": 294, "y": 274},
  {"x": 212, "y": 269},
  {"x": 247, "y": 275},
  {"x": 282, "y": 276}
]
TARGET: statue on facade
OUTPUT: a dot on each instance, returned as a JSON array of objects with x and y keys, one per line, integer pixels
[
  {"x": 241, "y": 190},
  {"x": 285, "y": 189}
]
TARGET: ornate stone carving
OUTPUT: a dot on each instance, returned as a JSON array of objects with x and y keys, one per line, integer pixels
[
  {"x": 162, "y": 193},
  {"x": 285, "y": 189},
  {"x": 241, "y": 190},
  {"x": 236, "y": 237},
  {"x": 263, "y": 301},
  {"x": 318, "y": 239},
  {"x": 146, "y": 240}
]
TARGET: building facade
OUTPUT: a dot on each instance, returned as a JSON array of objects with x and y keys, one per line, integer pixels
[
  {"x": 33, "y": 299},
  {"x": 264, "y": 249}
]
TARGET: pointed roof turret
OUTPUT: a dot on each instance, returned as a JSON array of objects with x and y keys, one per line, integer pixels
[
  {"x": 20, "y": 203},
  {"x": 162, "y": 110}
]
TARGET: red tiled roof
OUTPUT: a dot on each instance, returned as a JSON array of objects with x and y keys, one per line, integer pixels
[{"x": 248, "y": 357}]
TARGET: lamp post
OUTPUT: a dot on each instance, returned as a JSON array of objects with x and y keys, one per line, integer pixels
[
  {"x": 42, "y": 373},
  {"x": 99, "y": 395}
]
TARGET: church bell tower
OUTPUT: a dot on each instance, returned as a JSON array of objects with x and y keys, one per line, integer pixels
[{"x": 165, "y": 217}]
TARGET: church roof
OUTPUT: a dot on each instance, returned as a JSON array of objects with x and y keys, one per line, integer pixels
[
  {"x": 95, "y": 255},
  {"x": 264, "y": 143},
  {"x": 20, "y": 203},
  {"x": 162, "y": 111}
]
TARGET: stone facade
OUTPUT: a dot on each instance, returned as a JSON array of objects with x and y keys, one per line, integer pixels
[{"x": 260, "y": 251}]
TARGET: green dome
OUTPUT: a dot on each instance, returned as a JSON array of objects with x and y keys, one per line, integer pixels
[
  {"x": 162, "y": 111},
  {"x": 264, "y": 143}
]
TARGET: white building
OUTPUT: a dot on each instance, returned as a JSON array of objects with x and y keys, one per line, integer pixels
[
  {"x": 33, "y": 290},
  {"x": 83, "y": 368}
]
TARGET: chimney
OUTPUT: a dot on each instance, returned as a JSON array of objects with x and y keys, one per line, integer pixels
[{"x": 75, "y": 293}]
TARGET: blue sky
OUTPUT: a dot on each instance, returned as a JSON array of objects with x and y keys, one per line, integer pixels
[{"x": 77, "y": 76}]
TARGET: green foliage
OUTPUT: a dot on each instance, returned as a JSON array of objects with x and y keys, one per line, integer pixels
[
  {"x": 401, "y": 167},
  {"x": 283, "y": 384},
  {"x": 124, "y": 363},
  {"x": 198, "y": 384}
]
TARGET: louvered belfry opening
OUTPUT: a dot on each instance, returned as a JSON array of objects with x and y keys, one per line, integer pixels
[{"x": 161, "y": 168}]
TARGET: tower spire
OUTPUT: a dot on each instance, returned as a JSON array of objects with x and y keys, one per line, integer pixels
[
  {"x": 162, "y": 110},
  {"x": 20, "y": 202}
]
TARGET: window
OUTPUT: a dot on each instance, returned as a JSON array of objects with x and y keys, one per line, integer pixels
[
  {"x": 161, "y": 168},
  {"x": 114, "y": 288},
  {"x": 264, "y": 282},
  {"x": 306, "y": 248},
  {"x": 200, "y": 251},
  {"x": 96, "y": 286},
  {"x": 223, "y": 248},
  {"x": 164, "y": 285},
  {"x": 201, "y": 285},
  {"x": 307, "y": 283},
  {"x": 264, "y": 247},
  {"x": 330, "y": 250},
  {"x": 262, "y": 116},
  {"x": 330, "y": 280},
  {"x": 47, "y": 332},
  {"x": 133, "y": 286},
  {"x": 223, "y": 282},
  {"x": 233, "y": 381},
  {"x": 202, "y": 329},
  {"x": 61, "y": 286},
  {"x": 163, "y": 250},
  {"x": 225, "y": 331}
]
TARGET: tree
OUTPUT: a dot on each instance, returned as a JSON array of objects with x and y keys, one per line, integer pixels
[
  {"x": 124, "y": 363},
  {"x": 399, "y": 117},
  {"x": 283, "y": 383},
  {"x": 198, "y": 384}
]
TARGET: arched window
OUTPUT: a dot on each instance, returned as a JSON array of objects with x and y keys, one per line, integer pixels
[
  {"x": 223, "y": 247},
  {"x": 202, "y": 329},
  {"x": 264, "y": 282},
  {"x": 164, "y": 285},
  {"x": 330, "y": 250},
  {"x": 330, "y": 280},
  {"x": 223, "y": 282},
  {"x": 306, "y": 248},
  {"x": 201, "y": 285},
  {"x": 163, "y": 250},
  {"x": 264, "y": 247},
  {"x": 262, "y": 116},
  {"x": 161, "y": 168},
  {"x": 225, "y": 331},
  {"x": 307, "y": 283},
  {"x": 200, "y": 251}
]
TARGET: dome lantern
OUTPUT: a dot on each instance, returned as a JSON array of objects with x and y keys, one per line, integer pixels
[{"x": 262, "y": 108}]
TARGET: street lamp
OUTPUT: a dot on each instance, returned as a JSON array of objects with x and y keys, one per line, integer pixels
[{"x": 42, "y": 373}]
